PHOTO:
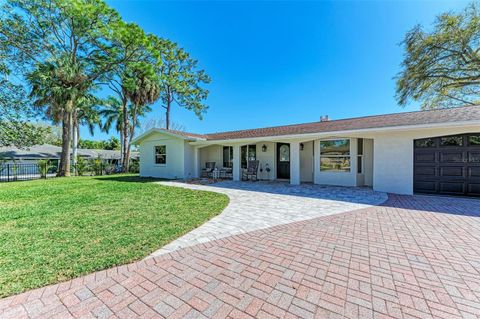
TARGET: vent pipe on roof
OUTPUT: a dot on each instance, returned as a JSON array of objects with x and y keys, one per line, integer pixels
[{"x": 324, "y": 118}]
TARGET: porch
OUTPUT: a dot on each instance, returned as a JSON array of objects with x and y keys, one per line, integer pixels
[{"x": 329, "y": 161}]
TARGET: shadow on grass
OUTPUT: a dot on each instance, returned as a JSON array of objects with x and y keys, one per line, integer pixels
[{"x": 128, "y": 179}]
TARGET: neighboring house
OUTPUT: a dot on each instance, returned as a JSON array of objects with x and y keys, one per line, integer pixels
[
  {"x": 434, "y": 151},
  {"x": 52, "y": 152}
]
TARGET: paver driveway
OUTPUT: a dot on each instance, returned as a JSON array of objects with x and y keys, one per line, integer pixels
[
  {"x": 265, "y": 204},
  {"x": 413, "y": 257}
]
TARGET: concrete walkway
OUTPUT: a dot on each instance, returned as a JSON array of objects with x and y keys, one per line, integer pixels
[
  {"x": 412, "y": 257},
  {"x": 259, "y": 205}
]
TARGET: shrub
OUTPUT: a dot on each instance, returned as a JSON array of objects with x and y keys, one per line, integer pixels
[
  {"x": 134, "y": 166},
  {"x": 97, "y": 166},
  {"x": 43, "y": 167},
  {"x": 82, "y": 166}
]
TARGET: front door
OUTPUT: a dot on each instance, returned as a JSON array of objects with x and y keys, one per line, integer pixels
[{"x": 283, "y": 160}]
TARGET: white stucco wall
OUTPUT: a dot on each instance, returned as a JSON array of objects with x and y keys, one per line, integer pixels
[
  {"x": 189, "y": 161},
  {"x": 174, "y": 168},
  {"x": 393, "y": 157},
  {"x": 264, "y": 158},
  {"x": 306, "y": 162},
  {"x": 368, "y": 155},
  {"x": 393, "y": 164}
]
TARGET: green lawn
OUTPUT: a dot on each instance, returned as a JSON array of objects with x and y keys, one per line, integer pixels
[{"x": 57, "y": 229}]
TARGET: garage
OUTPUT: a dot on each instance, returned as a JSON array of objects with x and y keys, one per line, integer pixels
[{"x": 448, "y": 165}]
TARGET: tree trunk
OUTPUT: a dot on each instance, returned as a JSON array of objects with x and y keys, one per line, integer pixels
[
  {"x": 121, "y": 147},
  {"x": 131, "y": 134},
  {"x": 126, "y": 147},
  {"x": 78, "y": 135},
  {"x": 75, "y": 133},
  {"x": 64, "y": 169},
  {"x": 167, "y": 115},
  {"x": 128, "y": 158}
]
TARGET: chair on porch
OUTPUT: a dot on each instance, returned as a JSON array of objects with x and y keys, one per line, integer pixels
[
  {"x": 251, "y": 172},
  {"x": 208, "y": 170}
]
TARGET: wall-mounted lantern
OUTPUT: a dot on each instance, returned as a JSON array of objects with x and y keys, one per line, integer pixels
[
  {"x": 264, "y": 148},
  {"x": 302, "y": 146}
]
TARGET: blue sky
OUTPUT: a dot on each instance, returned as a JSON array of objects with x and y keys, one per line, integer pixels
[{"x": 275, "y": 63}]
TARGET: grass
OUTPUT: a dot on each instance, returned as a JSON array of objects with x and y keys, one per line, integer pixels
[{"x": 57, "y": 229}]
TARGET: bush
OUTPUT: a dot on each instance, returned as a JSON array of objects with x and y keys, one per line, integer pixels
[
  {"x": 97, "y": 166},
  {"x": 109, "y": 169},
  {"x": 82, "y": 166},
  {"x": 43, "y": 167},
  {"x": 134, "y": 167}
]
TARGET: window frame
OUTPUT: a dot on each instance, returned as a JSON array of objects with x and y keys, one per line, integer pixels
[
  {"x": 444, "y": 138},
  {"x": 244, "y": 154},
  {"x": 418, "y": 143},
  {"x": 360, "y": 148},
  {"x": 469, "y": 140},
  {"x": 156, "y": 155},
  {"x": 230, "y": 157},
  {"x": 280, "y": 153},
  {"x": 349, "y": 156}
]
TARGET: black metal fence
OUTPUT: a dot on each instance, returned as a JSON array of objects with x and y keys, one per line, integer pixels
[{"x": 11, "y": 172}]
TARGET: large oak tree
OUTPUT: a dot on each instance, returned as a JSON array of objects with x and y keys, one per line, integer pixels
[{"x": 441, "y": 66}]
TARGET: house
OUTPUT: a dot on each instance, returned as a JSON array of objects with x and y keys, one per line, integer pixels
[
  {"x": 51, "y": 152},
  {"x": 435, "y": 152}
]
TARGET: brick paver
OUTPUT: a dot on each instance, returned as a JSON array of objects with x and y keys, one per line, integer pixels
[
  {"x": 413, "y": 257},
  {"x": 265, "y": 204}
]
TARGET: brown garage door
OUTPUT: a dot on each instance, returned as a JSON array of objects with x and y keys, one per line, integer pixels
[{"x": 448, "y": 165}]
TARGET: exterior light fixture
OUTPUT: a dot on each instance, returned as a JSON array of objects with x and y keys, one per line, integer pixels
[
  {"x": 264, "y": 148},
  {"x": 302, "y": 146}
]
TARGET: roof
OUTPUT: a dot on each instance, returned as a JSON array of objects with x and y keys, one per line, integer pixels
[
  {"x": 184, "y": 134},
  {"x": 417, "y": 118},
  {"x": 460, "y": 114},
  {"x": 174, "y": 133},
  {"x": 47, "y": 151}
]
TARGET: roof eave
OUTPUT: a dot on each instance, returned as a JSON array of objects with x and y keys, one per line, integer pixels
[
  {"x": 141, "y": 137},
  {"x": 339, "y": 132}
]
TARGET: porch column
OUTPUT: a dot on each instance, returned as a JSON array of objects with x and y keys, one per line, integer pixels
[
  {"x": 295, "y": 163},
  {"x": 236, "y": 163},
  {"x": 196, "y": 162}
]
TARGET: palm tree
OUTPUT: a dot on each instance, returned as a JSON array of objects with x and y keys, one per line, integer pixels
[
  {"x": 142, "y": 89},
  {"x": 85, "y": 113},
  {"x": 56, "y": 86},
  {"x": 112, "y": 112},
  {"x": 113, "y": 115}
]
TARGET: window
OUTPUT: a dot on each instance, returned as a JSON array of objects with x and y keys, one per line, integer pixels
[
  {"x": 426, "y": 142},
  {"x": 248, "y": 153},
  {"x": 161, "y": 154},
  {"x": 335, "y": 155},
  {"x": 284, "y": 153},
  {"x": 451, "y": 141},
  {"x": 474, "y": 140},
  {"x": 360, "y": 156},
  {"x": 228, "y": 156}
]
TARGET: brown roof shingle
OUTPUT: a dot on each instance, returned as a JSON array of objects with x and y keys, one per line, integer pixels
[{"x": 466, "y": 113}]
